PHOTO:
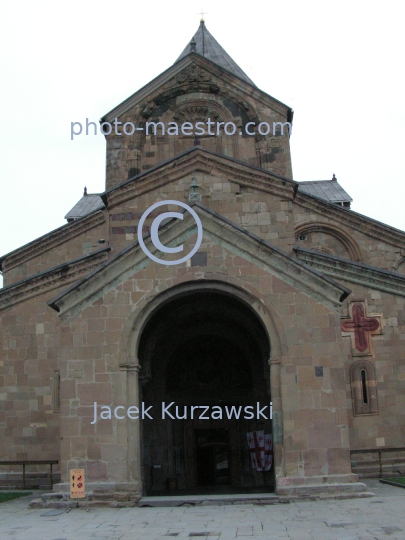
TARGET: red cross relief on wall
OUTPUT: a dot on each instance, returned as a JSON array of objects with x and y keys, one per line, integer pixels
[{"x": 361, "y": 327}]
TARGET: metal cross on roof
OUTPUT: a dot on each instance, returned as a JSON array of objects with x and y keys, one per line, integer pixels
[{"x": 202, "y": 15}]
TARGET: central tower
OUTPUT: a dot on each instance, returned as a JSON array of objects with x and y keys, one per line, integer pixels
[{"x": 204, "y": 84}]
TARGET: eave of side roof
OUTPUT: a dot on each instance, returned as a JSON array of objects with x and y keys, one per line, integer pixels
[
  {"x": 52, "y": 278},
  {"x": 353, "y": 272},
  {"x": 329, "y": 190},
  {"x": 53, "y": 238},
  {"x": 90, "y": 202},
  {"x": 53, "y": 269}
]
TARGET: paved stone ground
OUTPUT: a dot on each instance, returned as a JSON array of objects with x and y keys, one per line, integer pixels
[{"x": 380, "y": 517}]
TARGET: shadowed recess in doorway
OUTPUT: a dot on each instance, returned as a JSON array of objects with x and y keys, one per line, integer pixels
[{"x": 203, "y": 349}]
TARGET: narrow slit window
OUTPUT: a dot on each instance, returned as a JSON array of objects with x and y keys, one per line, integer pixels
[
  {"x": 363, "y": 381},
  {"x": 364, "y": 386},
  {"x": 56, "y": 392}
]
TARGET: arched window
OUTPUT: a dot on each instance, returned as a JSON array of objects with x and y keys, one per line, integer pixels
[{"x": 363, "y": 382}]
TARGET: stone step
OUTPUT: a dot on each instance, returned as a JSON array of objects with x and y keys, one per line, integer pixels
[
  {"x": 210, "y": 500},
  {"x": 94, "y": 499}
]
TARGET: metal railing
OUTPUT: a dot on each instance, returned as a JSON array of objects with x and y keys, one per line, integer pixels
[
  {"x": 50, "y": 462},
  {"x": 380, "y": 451}
]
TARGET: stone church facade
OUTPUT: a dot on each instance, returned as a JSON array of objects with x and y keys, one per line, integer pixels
[{"x": 292, "y": 298}]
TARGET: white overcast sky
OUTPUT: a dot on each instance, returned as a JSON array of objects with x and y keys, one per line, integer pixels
[{"x": 339, "y": 65}]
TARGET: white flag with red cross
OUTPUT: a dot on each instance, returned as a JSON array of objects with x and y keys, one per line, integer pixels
[
  {"x": 268, "y": 451},
  {"x": 261, "y": 450}
]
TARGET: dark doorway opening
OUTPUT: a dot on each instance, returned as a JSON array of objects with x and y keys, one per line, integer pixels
[
  {"x": 212, "y": 457},
  {"x": 205, "y": 349}
]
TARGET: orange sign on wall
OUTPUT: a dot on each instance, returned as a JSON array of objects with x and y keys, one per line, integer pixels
[{"x": 77, "y": 490}]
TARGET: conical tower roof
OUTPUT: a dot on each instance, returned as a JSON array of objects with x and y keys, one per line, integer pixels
[{"x": 208, "y": 46}]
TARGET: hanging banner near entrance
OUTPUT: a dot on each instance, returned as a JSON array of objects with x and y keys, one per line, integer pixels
[
  {"x": 256, "y": 447},
  {"x": 251, "y": 445},
  {"x": 258, "y": 437},
  {"x": 261, "y": 450},
  {"x": 268, "y": 451}
]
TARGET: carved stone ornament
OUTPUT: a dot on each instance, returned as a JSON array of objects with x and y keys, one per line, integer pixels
[
  {"x": 192, "y": 113},
  {"x": 148, "y": 109},
  {"x": 193, "y": 74}
]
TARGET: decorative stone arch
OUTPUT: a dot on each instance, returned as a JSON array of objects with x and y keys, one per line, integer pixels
[
  {"x": 213, "y": 106},
  {"x": 168, "y": 146},
  {"x": 146, "y": 109},
  {"x": 128, "y": 355},
  {"x": 348, "y": 242},
  {"x": 144, "y": 309},
  {"x": 363, "y": 382}
]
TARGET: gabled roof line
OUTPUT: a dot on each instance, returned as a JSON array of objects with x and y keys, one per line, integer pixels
[
  {"x": 54, "y": 269},
  {"x": 50, "y": 279},
  {"x": 275, "y": 249},
  {"x": 177, "y": 64},
  {"x": 292, "y": 260},
  {"x": 74, "y": 228},
  {"x": 300, "y": 197},
  {"x": 189, "y": 151}
]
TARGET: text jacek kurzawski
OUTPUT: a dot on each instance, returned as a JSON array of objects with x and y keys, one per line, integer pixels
[{"x": 185, "y": 412}]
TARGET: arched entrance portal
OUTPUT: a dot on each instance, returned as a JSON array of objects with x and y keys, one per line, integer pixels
[{"x": 207, "y": 350}]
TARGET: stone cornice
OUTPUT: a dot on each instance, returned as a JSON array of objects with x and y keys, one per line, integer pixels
[
  {"x": 349, "y": 219},
  {"x": 223, "y": 232},
  {"x": 51, "y": 240},
  {"x": 362, "y": 274},
  {"x": 168, "y": 77},
  {"x": 199, "y": 160},
  {"x": 51, "y": 279}
]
